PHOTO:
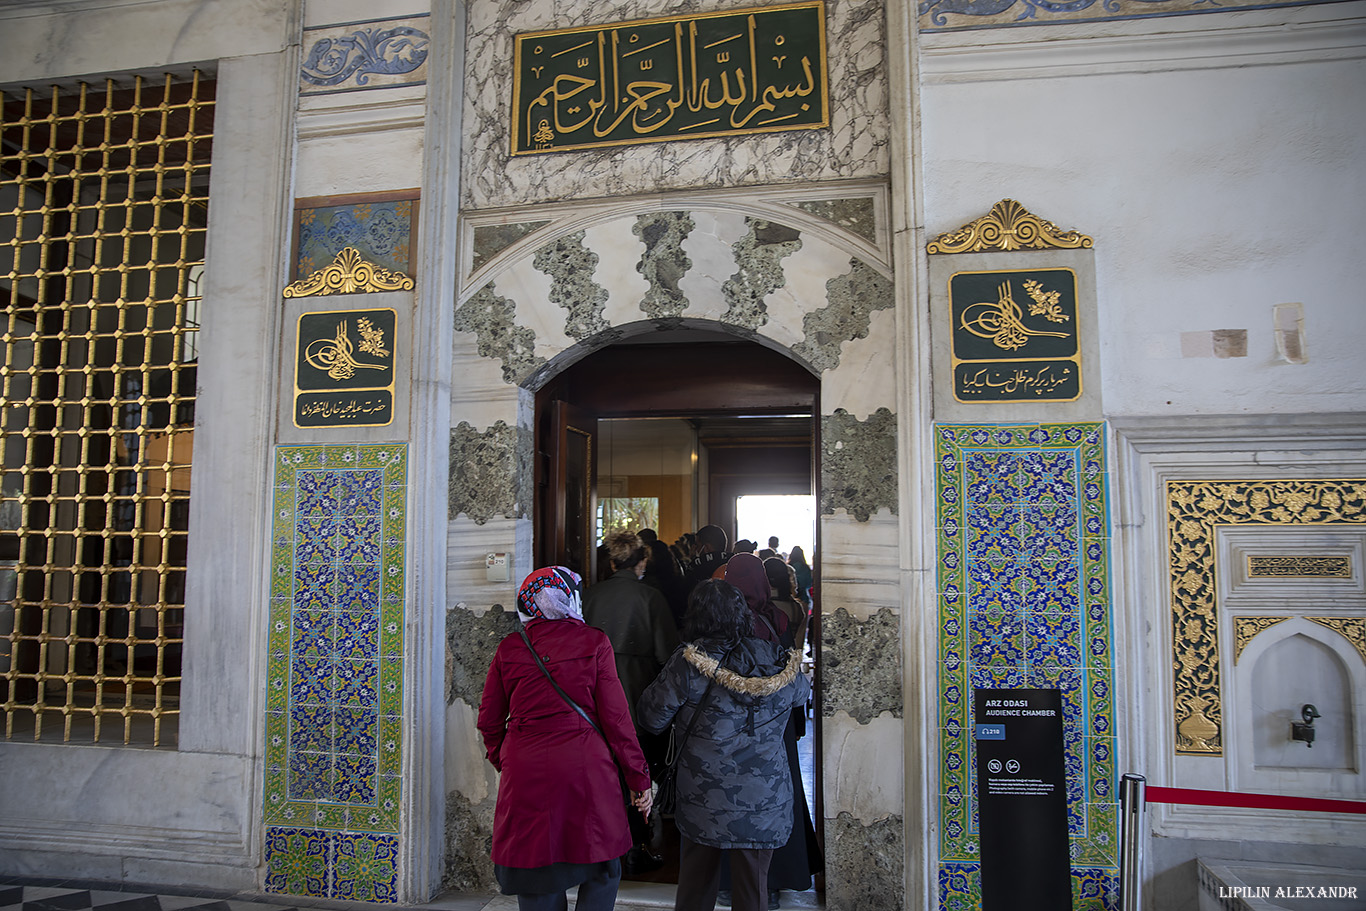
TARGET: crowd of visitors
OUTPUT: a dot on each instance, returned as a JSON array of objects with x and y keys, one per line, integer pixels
[{"x": 598, "y": 694}]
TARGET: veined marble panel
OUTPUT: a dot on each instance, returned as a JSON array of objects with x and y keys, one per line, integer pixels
[
  {"x": 621, "y": 253},
  {"x": 819, "y": 265},
  {"x": 663, "y": 262},
  {"x": 759, "y": 257},
  {"x": 482, "y": 396},
  {"x": 855, "y": 145},
  {"x": 493, "y": 320},
  {"x": 490, "y": 472},
  {"x": 952, "y": 15},
  {"x": 862, "y": 766},
  {"x": 861, "y": 383},
  {"x": 571, "y": 266},
  {"x": 861, "y": 664},
  {"x": 858, "y": 463},
  {"x": 852, "y": 297},
  {"x": 865, "y": 862},
  {"x": 710, "y": 248}
]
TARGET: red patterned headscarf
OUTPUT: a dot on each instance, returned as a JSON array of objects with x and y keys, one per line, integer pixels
[{"x": 551, "y": 593}]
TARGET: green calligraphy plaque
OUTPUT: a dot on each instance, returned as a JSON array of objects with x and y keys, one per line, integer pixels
[
  {"x": 1015, "y": 336},
  {"x": 678, "y": 77},
  {"x": 344, "y": 369}
]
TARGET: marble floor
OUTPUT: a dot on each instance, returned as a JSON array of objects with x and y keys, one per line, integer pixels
[
  {"x": 30, "y": 894},
  {"x": 37, "y": 894}
]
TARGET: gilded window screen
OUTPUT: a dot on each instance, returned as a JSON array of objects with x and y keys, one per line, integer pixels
[{"x": 103, "y": 207}]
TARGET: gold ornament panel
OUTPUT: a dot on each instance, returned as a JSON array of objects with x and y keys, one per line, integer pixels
[
  {"x": 1195, "y": 509},
  {"x": 1246, "y": 628},
  {"x": 1007, "y": 227},
  {"x": 348, "y": 273},
  {"x": 1353, "y": 629}
]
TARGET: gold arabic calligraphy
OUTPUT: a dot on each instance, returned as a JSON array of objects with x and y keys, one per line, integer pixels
[
  {"x": 1038, "y": 380},
  {"x": 686, "y": 83},
  {"x": 343, "y": 410}
]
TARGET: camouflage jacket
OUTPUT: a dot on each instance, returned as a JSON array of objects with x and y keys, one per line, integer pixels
[{"x": 734, "y": 789}]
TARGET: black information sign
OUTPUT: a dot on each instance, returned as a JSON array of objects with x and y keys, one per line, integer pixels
[
  {"x": 679, "y": 77},
  {"x": 344, "y": 372},
  {"x": 1015, "y": 336},
  {"x": 1022, "y": 800}
]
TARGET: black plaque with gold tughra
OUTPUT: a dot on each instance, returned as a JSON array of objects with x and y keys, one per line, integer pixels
[
  {"x": 1015, "y": 336},
  {"x": 344, "y": 370},
  {"x": 678, "y": 77}
]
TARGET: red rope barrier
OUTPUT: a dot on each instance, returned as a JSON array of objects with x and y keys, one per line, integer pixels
[{"x": 1253, "y": 801}]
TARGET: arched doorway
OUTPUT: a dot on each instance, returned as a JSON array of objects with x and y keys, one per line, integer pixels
[
  {"x": 819, "y": 297},
  {"x": 690, "y": 420}
]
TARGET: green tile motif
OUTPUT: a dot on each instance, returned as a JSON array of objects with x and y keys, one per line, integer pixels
[
  {"x": 334, "y": 671},
  {"x": 1024, "y": 601}
]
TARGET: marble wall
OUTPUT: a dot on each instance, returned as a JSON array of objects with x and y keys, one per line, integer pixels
[
  {"x": 856, "y": 145},
  {"x": 758, "y": 266},
  {"x": 952, "y": 15}
]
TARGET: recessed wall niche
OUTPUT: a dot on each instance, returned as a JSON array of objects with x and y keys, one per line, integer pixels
[{"x": 1299, "y": 669}]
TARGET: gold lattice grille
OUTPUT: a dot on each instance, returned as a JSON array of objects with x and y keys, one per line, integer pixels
[{"x": 103, "y": 207}]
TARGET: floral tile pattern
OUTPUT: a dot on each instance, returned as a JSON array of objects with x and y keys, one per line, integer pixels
[
  {"x": 335, "y": 671},
  {"x": 1024, "y": 601},
  {"x": 381, "y": 230}
]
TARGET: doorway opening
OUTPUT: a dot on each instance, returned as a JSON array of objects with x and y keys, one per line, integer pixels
[{"x": 674, "y": 430}]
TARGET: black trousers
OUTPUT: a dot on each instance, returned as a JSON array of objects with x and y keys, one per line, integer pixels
[
  {"x": 596, "y": 893},
  {"x": 699, "y": 877}
]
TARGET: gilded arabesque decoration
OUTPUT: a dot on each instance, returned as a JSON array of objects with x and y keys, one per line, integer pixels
[
  {"x": 1194, "y": 510},
  {"x": 1008, "y": 226},
  {"x": 1353, "y": 629},
  {"x": 1246, "y": 628},
  {"x": 348, "y": 274}
]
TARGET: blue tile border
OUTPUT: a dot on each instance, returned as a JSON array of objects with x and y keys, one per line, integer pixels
[
  {"x": 1024, "y": 600},
  {"x": 334, "y": 671}
]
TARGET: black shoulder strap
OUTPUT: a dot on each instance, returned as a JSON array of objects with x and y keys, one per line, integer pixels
[{"x": 563, "y": 695}]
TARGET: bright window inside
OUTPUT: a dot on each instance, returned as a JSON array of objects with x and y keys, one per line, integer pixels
[{"x": 791, "y": 517}]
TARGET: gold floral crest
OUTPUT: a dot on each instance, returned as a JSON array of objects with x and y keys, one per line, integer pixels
[
  {"x": 1008, "y": 226},
  {"x": 347, "y": 274}
]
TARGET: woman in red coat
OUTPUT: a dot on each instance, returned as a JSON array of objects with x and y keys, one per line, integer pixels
[{"x": 560, "y": 820}]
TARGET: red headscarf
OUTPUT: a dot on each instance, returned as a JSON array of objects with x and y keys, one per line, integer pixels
[{"x": 746, "y": 572}]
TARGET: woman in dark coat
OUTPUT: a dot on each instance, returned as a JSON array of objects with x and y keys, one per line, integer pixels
[
  {"x": 560, "y": 820},
  {"x": 799, "y": 856},
  {"x": 734, "y": 786}
]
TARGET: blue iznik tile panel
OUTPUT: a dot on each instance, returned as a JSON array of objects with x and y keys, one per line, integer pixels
[
  {"x": 951, "y": 15},
  {"x": 335, "y": 671},
  {"x": 381, "y": 230},
  {"x": 1024, "y": 601}
]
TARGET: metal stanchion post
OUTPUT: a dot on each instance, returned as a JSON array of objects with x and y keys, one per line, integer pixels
[{"x": 1133, "y": 836}]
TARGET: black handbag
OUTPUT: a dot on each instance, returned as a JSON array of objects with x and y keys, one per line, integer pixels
[{"x": 666, "y": 789}]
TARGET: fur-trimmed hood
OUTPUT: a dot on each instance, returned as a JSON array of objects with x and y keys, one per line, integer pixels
[{"x": 761, "y": 686}]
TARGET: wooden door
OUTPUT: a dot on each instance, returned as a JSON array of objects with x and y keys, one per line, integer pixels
[{"x": 567, "y": 494}]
